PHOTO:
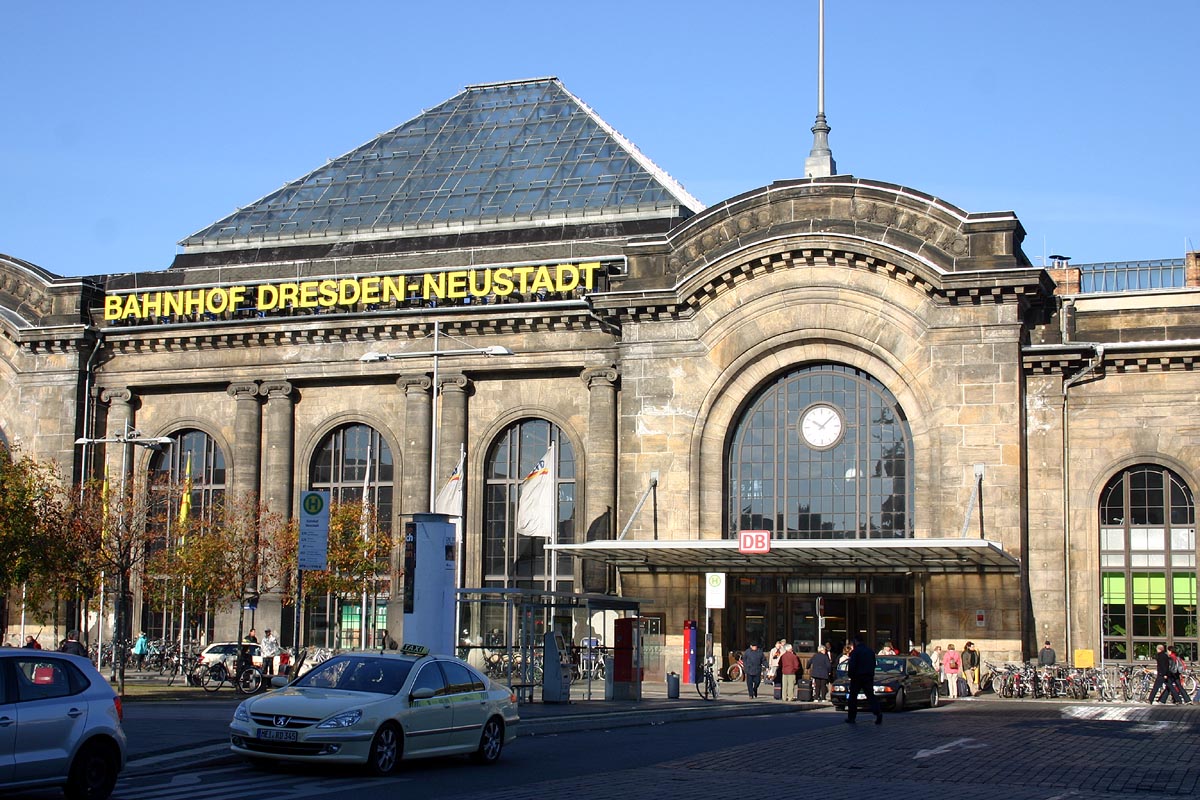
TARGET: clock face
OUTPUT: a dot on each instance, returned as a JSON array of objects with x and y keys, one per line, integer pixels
[{"x": 821, "y": 426}]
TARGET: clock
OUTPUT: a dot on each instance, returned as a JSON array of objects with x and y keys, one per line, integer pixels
[{"x": 821, "y": 426}]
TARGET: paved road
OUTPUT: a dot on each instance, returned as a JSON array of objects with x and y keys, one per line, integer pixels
[{"x": 987, "y": 750}]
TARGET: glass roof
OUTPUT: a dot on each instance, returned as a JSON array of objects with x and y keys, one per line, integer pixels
[{"x": 495, "y": 154}]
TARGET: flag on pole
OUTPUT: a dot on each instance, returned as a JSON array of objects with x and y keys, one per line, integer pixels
[
  {"x": 535, "y": 503},
  {"x": 450, "y": 499},
  {"x": 185, "y": 501}
]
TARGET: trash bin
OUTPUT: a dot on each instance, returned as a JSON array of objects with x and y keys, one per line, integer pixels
[{"x": 672, "y": 686}]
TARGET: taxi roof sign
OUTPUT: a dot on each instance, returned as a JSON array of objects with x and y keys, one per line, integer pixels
[{"x": 414, "y": 649}]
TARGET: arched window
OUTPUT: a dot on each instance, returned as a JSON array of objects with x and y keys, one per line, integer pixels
[
  {"x": 824, "y": 452},
  {"x": 340, "y": 467},
  {"x": 194, "y": 459},
  {"x": 352, "y": 460},
  {"x": 511, "y": 560},
  {"x": 1147, "y": 564}
]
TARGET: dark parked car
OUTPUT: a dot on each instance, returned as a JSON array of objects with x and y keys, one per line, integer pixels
[{"x": 900, "y": 682}]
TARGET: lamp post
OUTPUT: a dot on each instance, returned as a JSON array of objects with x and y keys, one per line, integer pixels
[
  {"x": 128, "y": 438},
  {"x": 436, "y": 354}
]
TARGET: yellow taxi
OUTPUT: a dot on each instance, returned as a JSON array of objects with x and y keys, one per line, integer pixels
[{"x": 376, "y": 709}]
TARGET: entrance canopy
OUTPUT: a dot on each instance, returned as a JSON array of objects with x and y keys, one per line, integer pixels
[{"x": 810, "y": 556}]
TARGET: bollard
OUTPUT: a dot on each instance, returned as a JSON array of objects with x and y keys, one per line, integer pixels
[{"x": 672, "y": 686}]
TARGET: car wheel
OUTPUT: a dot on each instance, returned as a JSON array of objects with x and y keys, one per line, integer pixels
[
  {"x": 385, "y": 750},
  {"x": 934, "y": 697},
  {"x": 900, "y": 699},
  {"x": 491, "y": 742},
  {"x": 93, "y": 773}
]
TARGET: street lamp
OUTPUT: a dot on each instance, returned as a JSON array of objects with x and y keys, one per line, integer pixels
[{"x": 129, "y": 437}]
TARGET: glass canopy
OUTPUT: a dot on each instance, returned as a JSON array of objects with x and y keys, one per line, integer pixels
[{"x": 495, "y": 154}]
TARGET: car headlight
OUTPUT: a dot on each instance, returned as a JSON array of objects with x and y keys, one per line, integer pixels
[
  {"x": 241, "y": 714},
  {"x": 342, "y": 720}
]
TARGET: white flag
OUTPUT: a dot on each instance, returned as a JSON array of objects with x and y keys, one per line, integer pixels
[
  {"x": 449, "y": 499},
  {"x": 535, "y": 503}
]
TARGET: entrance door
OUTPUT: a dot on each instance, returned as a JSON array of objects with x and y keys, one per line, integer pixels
[
  {"x": 837, "y": 624},
  {"x": 887, "y": 624},
  {"x": 802, "y": 624}
]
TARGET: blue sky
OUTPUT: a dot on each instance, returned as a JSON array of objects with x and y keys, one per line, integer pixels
[{"x": 131, "y": 125}]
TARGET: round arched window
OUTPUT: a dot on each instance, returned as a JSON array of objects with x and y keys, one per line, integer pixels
[{"x": 823, "y": 452}]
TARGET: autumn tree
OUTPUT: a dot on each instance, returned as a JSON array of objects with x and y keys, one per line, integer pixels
[{"x": 358, "y": 553}]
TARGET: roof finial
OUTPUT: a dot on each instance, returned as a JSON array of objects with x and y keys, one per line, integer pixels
[{"x": 819, "y": 163}]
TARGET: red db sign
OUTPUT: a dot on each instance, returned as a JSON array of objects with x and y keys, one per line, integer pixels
[{"x": 754, "y": 541}]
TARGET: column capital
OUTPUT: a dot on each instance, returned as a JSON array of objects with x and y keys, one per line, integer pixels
[
  {"x": 273, "y": 389},
  {"x": 116, "y": 396},
  {"x": 453, "y": 382},
  {"x": 600, "y": 376},
  {"x": 245, "y": 390},
  {"x": 413, "y": 384}
]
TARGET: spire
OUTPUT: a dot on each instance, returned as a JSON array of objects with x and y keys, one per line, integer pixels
[{"x": 819, "y": 163}]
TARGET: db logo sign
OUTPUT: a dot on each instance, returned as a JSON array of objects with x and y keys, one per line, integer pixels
[{"x": 754, "y": 541}]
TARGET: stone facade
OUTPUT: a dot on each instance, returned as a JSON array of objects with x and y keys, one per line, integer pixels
[{"x": 1017, "y": 418}]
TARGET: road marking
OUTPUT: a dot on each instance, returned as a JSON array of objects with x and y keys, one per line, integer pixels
[
  {"x": 957, "y": 744},
  {"x": 178, "y": 755},
  {"x": 1107, "y": 714}
]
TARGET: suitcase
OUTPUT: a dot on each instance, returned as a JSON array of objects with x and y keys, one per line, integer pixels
[
  {"x": 964, "y": 688},
  {"x": 778, "y": 691},
  {"x": 804, "y": 689}
]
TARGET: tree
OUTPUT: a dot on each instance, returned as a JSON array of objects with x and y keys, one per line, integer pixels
[
  {"x": 110, "y": 532},
  {"x": 233, "y": 554},
  {"x": 358, "y": 553}
]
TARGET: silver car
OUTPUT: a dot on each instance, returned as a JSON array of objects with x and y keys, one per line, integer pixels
[
  {"x": 60, "y": 724},
  {"x": 376, "y": 709}
]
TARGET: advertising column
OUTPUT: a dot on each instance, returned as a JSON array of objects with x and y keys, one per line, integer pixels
[{"x": 428, "y": 562}]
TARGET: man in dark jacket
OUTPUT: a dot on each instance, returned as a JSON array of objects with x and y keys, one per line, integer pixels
[
  {"x": 752, "y": 662},
  {"x": 818, "y": 669},
  {"x": 1046, "y": 656},
  {"x": 861, "y": 670},
  {"x": 72, "y": 645},
  {"x": 1163, "y": 679}
]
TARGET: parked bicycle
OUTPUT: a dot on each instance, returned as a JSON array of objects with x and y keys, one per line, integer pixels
[
  {"x": 707, "y": 687},
  {"x": 245, "y": 678}
]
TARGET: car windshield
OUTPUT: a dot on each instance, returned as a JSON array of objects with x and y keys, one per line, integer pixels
[{"x": 358, "y": 674}]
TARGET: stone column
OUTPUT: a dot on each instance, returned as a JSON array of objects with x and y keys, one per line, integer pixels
[
  {"x": 418, "y": 417},
  {"x": 452, "y": 427},
  {"x": 120, "y": 420},
  {"x": 247, "y": 435},
  {"x": 279, "y": 436},
  {"x": 601, "y": 489}
]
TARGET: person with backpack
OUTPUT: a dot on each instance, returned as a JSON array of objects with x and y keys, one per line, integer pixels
[
  {"x": 1175, "y": 675},
  {"x": 951, "y": 668},
  {"x": 1163, "y": 678}
]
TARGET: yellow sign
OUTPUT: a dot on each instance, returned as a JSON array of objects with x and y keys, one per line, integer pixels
[{"x": 349, "y": 293}]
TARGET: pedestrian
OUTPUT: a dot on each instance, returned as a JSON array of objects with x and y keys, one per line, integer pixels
[
  {"x": 887, "y": 650},
  {"x": 773, "y": 661},
  {"x": 861, "y": 668},
  {"x": 270, "y": 649},
  {"x": 1047, "y": 657},
  {"x": 844, "y": 658},
  {"x": 970, "y": 666},
  {"x": 252, "y": 637},
  {"x": 72, "y": 645},
  {"x": 819, "y": 668},
  {"x": 1163, "y": 678},
  {"x": 951, "y": 667},
  {"x": 752, "y": 663},
  {"x": 140, "y": 648},
  {"x": 1177, "y": 668},
  {"x": 790, "y": 668},
  {"x": 935, "y": 661},
  {"x": 31, "y": 643}
]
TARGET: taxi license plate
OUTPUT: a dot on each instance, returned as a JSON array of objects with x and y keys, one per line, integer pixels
[
  {"x": 861, "y": 696},
  {"x": 278, "y": 736}
]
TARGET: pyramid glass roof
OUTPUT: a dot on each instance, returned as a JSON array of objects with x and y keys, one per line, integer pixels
[{"x": 495, "y": 155}]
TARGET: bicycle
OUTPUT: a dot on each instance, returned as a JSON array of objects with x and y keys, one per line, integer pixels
[
  {"x": 737, "y": 670},
  {"x": 246, "y": 680},
  {"x": 707, "y": 686}
]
